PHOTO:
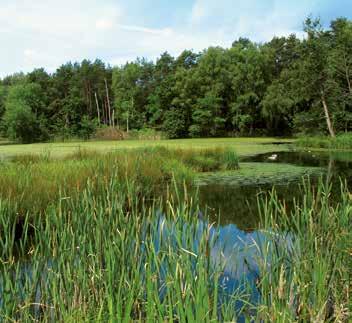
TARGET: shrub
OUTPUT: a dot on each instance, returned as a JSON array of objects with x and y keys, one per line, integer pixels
[
  {"x": 109, "y": 133},
  {"x": 145, "y": 134},
  {"x": 87, "y": 127},
  {"x": 174, "y": 124},
  {"x": 342, "y": 141},
  {"x": 22, "y": 125}
]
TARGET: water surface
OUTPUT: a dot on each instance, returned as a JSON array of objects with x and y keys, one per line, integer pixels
[{"x": 237, "y": 203}]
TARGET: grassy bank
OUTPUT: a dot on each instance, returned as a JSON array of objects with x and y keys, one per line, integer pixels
[
  {"x": 343, "y": 141},
  {"x": 91, "y": 259},
  {"x": 35, "y": 181},
  {"x": 243, "y": 146}
]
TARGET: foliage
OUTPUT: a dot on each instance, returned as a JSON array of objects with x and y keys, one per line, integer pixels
[
  {"x": 22, "y": 119},
  {"x": 87, "y": 127},
  {"x": 174, "y": 124},
  {"x": 145, "y": 134},
  {"x": 284, "y": 87}
]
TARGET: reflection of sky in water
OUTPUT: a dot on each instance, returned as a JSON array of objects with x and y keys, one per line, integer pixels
[
  {"x": 232, "y": 252},
  {"x": 235, "y": 252}
]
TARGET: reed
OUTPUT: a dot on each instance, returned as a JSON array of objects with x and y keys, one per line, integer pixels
[
  {"x": 310, "y": 268},
  {"x": 342, "y": 141},
  {"x": 35, "y": 181},
  {"x": 107, "y": 253}
]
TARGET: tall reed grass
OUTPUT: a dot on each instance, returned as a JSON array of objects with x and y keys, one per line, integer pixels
[
  {"x": 343, "y": 141},
  {"x": 311, "y": 280},
  {"x": 100, "y": 251},
  {"x": 33, "y": 182}
]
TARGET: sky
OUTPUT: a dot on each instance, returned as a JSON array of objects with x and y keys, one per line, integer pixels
[{"x": 48, "y": 33}]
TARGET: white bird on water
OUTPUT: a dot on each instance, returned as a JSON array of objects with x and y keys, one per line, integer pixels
[{"x": 273, "y": 157}]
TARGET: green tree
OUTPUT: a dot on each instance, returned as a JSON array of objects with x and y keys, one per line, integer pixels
[
  {"x": 340, "y": 71},
  {"x": 127, "y": 88},
  {"x": 23, "y": 119},
  {"x": 248, "y": 85},
  {"x": 314, "y": 71},
  {"x": 3, "y": 93},
  {"x": 212, "y": 82}
]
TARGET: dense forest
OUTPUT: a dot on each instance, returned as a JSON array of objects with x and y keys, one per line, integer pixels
[{"x": 284, "y": 87}]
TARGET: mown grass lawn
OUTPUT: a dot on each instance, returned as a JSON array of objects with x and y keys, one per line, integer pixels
[{"x": 243, "y": 146}]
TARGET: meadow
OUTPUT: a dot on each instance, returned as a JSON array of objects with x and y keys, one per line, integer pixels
[
  {"x": 243, "y": 146},
  {"x": 119, "y": 236}
]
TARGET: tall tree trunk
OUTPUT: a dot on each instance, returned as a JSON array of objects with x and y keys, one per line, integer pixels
[
  {"x": 90, "y": 99},
  {"x": 97, "y": 102},
  {"x": 327, "y": 116},
  {"x": 107, "y": 117},
  {"x": 103, "y": 113},
  {"x": 108, "y": 100},
  {"x": 347, "y": 75},
  {"x": 127, "y": 121}
]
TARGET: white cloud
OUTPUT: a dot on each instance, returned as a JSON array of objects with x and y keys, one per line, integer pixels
[
  {"x": 258, "y": 20},
  {"x": 104, "y": 24},
  {"x": 139, "y": 29},
  {"x": 29, "y": 53},
  {"x": 48, "y": 33}
]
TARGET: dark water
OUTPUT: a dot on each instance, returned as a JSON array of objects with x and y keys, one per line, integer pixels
[{"x": 238, "y": 204}]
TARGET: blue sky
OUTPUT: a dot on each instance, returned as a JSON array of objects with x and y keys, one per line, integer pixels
[{"x": 48, "y": 33}]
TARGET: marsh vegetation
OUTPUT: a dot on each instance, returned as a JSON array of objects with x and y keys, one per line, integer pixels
[{"x": 126, "y": 235}]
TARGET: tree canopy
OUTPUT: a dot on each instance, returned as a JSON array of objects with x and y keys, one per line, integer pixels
[{"x": 283, "y": 87}]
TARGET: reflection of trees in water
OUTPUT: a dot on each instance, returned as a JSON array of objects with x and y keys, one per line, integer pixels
[{"x": 239, "y": 205}]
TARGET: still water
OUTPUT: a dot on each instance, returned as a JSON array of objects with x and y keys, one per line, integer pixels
[{"x": 237, "y": 203}]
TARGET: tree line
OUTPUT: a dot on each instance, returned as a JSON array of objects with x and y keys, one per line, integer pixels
[{"x": 282, "y": 87}]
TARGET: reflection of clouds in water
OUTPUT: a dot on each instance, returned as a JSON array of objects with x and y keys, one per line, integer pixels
[{"x": 237, "y": 254}]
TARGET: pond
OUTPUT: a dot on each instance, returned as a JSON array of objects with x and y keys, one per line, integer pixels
[
  {"x": 236, "y": 241},
  {"x": 235, "y": 196}
]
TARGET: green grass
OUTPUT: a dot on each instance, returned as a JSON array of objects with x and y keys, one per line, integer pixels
[
  {"x": 35, "y": 181},
  {"x": 243, "y": 146},
  {"x": 343, "y": 141}
]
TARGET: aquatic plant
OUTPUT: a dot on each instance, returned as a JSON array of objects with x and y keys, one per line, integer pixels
[
  {"x": 35, "y": 181},
  {"x": 310, "y": 281},
  {"x": 99, "y": 258},
  {"x": 342, "y": 141}
]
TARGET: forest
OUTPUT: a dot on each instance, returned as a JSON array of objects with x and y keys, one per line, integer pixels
[{"x": 285, "y": 87}]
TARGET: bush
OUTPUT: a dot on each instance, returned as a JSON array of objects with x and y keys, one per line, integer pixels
[
  {"x": 145, "y": 134},
  {"x": 109, "y": 133},
  {"x": 21, "y": 124},
  {"x": 87, "y": 127},
  {"x": 174, "y": 124},
  {"x": 22, "y": 120}
]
